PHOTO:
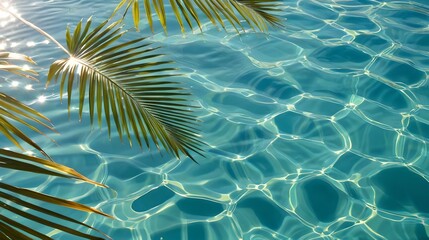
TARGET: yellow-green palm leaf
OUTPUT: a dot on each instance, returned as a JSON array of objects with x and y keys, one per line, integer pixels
[
  {"x": 128, "y": 81},
  {"x": 257, "y": 13},
  {"x": 12, "y": 199},
  {"x": 13, "y": 115},
  {"x": 6, "y": 59},
  {"x": 14, "y": 112}
]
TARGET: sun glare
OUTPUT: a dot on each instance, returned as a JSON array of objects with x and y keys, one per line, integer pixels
[
  {"x": 41, "y": 99},
  {"x": 5, "y": 17},
  {"x": 14, "y": 84},
  {"x": 31, "y": 44},
  {"x": 25, "y": 67}
]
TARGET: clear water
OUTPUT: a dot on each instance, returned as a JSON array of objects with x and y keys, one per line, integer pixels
[{"x": 318, "y": 131}]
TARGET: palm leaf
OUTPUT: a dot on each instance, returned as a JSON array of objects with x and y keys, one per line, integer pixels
[
  {"x": 127, "y": 81},
  {"x": 10, "y": 229},
  {"x": 8, "y": 223},
  {"x": 7, "y": 65},
  {"x": 13, "y": 112},
  {"x": 18, "y": 161},
  {"x": 25, "y": 163},
  {"x": 257, "y": 13},
  {"x": 15, "y": 230}
]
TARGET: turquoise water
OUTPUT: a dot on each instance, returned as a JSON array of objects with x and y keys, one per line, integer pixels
[{"x": 317, "y": 131}]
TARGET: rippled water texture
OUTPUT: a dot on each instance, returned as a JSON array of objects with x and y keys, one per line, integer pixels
[{"x": 318, "y": 131}]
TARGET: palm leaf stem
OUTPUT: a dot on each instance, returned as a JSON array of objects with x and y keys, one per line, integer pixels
[{"x": 41, "y": 31}]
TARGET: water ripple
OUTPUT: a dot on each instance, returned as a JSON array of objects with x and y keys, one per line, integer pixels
[{"x": 319, "y": 130}]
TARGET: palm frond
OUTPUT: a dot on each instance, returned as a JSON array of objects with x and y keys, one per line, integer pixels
[
  {"x": 257, "y": 13},
  {"x": 18, "y": 161},
  {"x": 127, "y": 81},
  {"x": 7, "y": 65},
  {"x": 9, "y": 228},
  {"x": 24, "y": 163},
  {"x": 8, "y": 223},
  {"x": 13, "y": 112}
]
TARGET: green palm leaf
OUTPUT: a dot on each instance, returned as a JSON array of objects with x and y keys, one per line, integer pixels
[
  {"x": 11, "y": 195},
  {"x": 257, "y": 13},
  {"x": 11, "y": 112},
  {"x": 127, "y": 81},
  {"x": 14, "y": 113},
  {"x": 6, "y": 64},
  {"x": 12, "y": 228},
  {"x": 18, "y": 161}
]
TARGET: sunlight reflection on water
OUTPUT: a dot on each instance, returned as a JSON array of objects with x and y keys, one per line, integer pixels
[{"x": 315, "y": 131}]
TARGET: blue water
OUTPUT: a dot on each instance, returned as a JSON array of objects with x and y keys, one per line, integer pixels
[{"x": 317, "y": 131}]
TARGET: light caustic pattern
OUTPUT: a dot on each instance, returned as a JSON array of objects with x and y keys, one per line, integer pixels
[{"x": 317, "y": 131}]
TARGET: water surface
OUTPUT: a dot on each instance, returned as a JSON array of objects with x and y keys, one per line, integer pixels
[{"x": 317, "y": 131}]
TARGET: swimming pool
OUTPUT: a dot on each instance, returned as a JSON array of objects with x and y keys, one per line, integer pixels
[{"x": 316, "y": 131}]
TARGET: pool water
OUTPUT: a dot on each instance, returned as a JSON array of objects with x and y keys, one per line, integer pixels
[{"x": 316, "y": 131}]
